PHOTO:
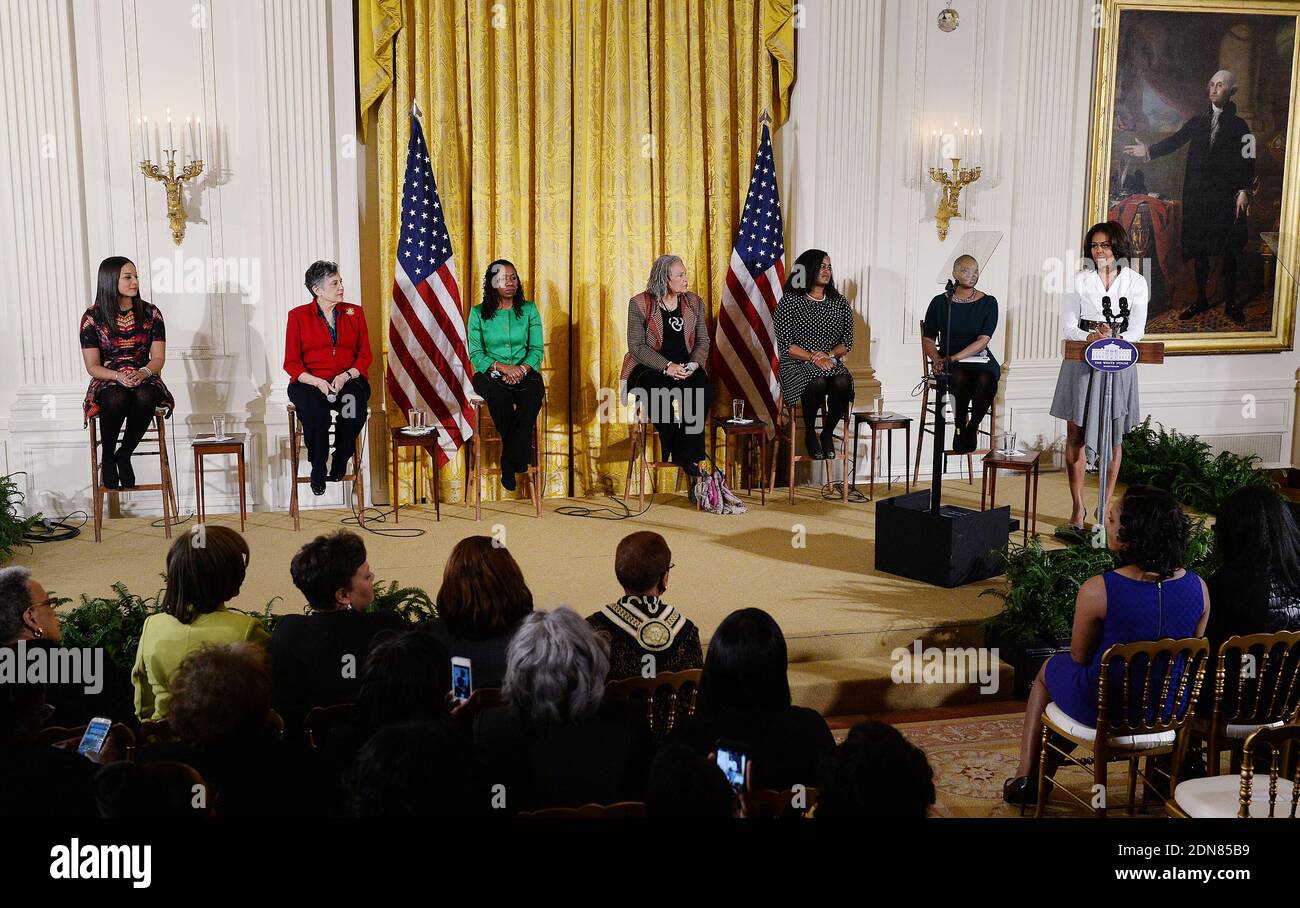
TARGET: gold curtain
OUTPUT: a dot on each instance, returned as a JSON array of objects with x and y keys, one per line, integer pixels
[{"x": 581, "y": 139}]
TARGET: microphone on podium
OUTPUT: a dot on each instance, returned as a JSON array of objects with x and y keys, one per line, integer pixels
[{"x": 1105, "y": 307}]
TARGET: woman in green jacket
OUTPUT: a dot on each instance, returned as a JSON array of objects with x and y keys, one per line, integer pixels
[{"x": 505, "y": 348}]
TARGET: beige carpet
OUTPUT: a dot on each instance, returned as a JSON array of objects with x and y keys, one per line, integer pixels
[{"x": 808, "y": 563}]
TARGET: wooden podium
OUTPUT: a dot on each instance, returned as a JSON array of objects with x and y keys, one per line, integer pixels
[{"x": 1148, "y": 351}]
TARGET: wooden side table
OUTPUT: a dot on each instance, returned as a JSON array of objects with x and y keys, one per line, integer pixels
[
  {"x": 429, "y": 442},
  {"x": 744, "y": 432},
  {"x": 204, "y": 445},
  {"x": 1020, "y": 463},
  {"x": 887, "y": 423}
]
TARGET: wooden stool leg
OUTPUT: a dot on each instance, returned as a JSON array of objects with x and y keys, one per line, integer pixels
[
  {"x": 1035, "y": 512},
  {"x": 294, "y": 441},
  {"x": 907, "y": 446},
  {"x": 1026, "y": 507},
  {"x": 243, "y": 501},
  {"x": 844, "y": 486},
  {"x": 631, "y": 461},
  {"x": 168, "y": 494},
  {"x": 396, "y": 498},
  {"x": 359, "y": 479},
  {"x": 535, "y": 475},
  {"x": 920, "y": 436},
  {"x": 198, "y": 487},
  {"x": 96, "y": 490},
  {"x": 437, "y": 484},
  {"x": 792, "y": 422}
]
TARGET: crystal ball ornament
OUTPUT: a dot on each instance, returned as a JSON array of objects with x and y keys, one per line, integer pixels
[{"x": 948, "y": 20}]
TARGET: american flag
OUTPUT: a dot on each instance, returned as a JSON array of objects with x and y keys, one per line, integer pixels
[
  {"x": 428, "y": 363},
  {"x": 744, "y": 349}
]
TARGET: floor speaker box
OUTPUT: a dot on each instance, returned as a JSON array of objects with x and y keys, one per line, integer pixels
[{"x": 951, "y": 548}]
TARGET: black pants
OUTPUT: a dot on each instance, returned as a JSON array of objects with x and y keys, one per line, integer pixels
[
  {"x": 314, "y": 414},
  {"x": 679, "y": 411},
  {"x": 514, "y": 410},
  {"x": 974, "y": 390},
  {"x": 133, "y": 406},
  {"x": 836, "y": 391},
  {"x": 1201, "y": 261}
]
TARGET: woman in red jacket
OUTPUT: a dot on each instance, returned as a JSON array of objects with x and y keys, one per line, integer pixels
[{"x": 327, "y": 355}]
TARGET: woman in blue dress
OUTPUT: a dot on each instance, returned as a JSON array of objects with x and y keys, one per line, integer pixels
[{"x": 1150, "y": 596}]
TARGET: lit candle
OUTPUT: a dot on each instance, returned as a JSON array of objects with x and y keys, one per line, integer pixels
[
  {"x": 143, "y": 123},
  {"x": 965, "y": 143},
  {"x": 187, "y": 138},
  {"x": 171, "y": 139}
]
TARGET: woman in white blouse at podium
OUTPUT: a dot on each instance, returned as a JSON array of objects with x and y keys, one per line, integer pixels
[{"x": 1106, "y": 271}]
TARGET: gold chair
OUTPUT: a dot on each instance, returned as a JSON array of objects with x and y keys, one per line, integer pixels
[
  {"x": 1256, "y": 683},
  {"x": 1229, "y": 796},
  {"x": 683, "y": 688},
  {"x": 357, "y": 477},
  {"x": 641, "y": 439},
  {"x": 485, "y": 433},
  {"x": 616, "y": 811},
  {"x": 156, "y": 435},
  {"x": 322, "y": 721},
  {"x": 788, "y": 416},
  {"x": 927, "y": 417},
  {"x": 1148, "y": 728},
  {"x": 769, "y": 803}
]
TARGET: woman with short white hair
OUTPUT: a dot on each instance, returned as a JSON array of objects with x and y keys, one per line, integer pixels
[{"x": 554, "y": 741}]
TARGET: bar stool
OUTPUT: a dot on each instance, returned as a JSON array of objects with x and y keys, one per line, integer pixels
[
  {"x": 928, "y": 417},
  {"x": 640, "y": 458},
  {"x": 485, "y": 433},
  {"x": 155, "y": 435},
  {"x": 356, "y": 476},
  {"x": 790, "y": 414}
]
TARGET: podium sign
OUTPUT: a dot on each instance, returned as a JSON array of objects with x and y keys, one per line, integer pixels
[{"x": 1110, "y": 354}]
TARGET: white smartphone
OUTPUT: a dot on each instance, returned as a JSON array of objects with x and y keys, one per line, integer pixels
[
  {"x": 96, "y": 736},
  {"x": 462, "y": 678}
]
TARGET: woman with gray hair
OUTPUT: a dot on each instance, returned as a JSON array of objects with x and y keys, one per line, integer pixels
[
  {"x": 327, "y": 354},
  {"x": 667, "y": 349},
  {"x": 25, "y": 610},
  {"x": 555, "y": 742}
]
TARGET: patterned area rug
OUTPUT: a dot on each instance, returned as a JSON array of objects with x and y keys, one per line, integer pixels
[{"x": 972, "y": 756}]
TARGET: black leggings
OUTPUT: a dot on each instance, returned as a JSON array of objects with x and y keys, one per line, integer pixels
[
  {"x": 974, "y": 390},
  {"x": 514, "y": 410},
  {"x": 314, "y": 414},
  {"x": 133, "y": 406},
  {"x": 679, "y": 410},
  {"x": 835, "y": 389}
]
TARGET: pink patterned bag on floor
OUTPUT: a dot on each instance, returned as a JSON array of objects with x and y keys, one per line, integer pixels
[{"x": 712, "y": 494}]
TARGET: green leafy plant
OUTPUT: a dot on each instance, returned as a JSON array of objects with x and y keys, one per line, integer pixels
[
  {"x": 1183, "y": 466},
  {"x": 12, "y": 524},
  {"x": 1041, "y": 585},
  {"x": 116, "y": 622}
]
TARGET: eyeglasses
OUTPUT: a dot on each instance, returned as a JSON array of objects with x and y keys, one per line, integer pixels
[{"x": 1099, "y": 246}]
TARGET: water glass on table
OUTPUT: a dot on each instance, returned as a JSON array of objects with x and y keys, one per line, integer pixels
[
  {"x": 218, "y": 428},
  {"x": 737, "y": 410}
]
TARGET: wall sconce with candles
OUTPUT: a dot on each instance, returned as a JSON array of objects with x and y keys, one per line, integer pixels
[
  {"x": 969, "y": 146},
  {"x": 192, "y": 141}
]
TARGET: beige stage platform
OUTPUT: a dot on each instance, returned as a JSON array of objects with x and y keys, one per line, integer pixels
[{"x": 841, "y": 617}]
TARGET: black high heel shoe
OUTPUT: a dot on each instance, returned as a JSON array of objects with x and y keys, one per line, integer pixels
[
  {"x": 125, "y": 474},
  {"x": 1019, "y": 791},
  {"x": 814, "y": 446}
]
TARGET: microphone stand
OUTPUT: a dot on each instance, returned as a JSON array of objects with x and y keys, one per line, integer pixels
[{"x": 941, "y": 393}]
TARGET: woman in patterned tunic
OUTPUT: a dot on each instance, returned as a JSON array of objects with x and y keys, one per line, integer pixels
[
  {"x": 814, "y": 332},
  {"x": 124, "y": 344}
]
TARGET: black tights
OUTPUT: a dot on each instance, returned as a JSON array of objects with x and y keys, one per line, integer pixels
[
  {"x": 837, "y": 392},
  {"x": 974, "y": 390},
  {"x": 134, "y": 406}
]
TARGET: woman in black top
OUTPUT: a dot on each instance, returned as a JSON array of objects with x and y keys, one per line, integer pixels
[
  {"x": 311, "y": 654},
  {"x": 814, "y": 332},
  {"x": 1257, "y": 589},
  {"x": 482, "y": 599},
  {"x": 745, "y": 698},
  {"x": 964, "y": 353}
]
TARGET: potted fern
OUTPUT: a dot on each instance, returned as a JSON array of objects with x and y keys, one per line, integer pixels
[{"x": 13, "y": 526}]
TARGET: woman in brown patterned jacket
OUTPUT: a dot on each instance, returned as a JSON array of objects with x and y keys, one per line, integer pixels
[{"x": 663, "y": 371}]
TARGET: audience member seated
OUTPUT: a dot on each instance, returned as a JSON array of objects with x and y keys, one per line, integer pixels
[
  {"x": 221, "y": 720},
  {"x": 1151, "y": 596},
  {"x": 417, "y": 770},
  {"x": 406, "y": 678},
  {"x": 745, "y": 698},
  {"x": 551, "y": 742},
  {"x": 26, "y": 615},
  {"x": 877, "y": 774},
  {"x": 482, "y": 599},
  {"x": 204, "y": 572},
  {"x": 1256, "y": 589},
  {"x": 38, "y": 780},
  {"x": 316, "y": 658},
  {"x": 160, "y": 790},
  {"x": 640, "y": 623},
  {"x": 685, "y": 785}
]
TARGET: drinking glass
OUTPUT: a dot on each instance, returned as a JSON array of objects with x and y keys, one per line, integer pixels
[
  {"x": 219, "y": 426},
  {"x": 879, "y": 404},
  {"x": 414, "y": 419},
  {"x": 1008, "y": 442},
  {"x": 737, "y": 409}
]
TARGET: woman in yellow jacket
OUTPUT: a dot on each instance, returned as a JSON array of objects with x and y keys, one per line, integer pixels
[{"x": 205, "y": 570}]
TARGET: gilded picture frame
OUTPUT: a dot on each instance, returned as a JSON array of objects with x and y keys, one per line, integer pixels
[{"x": 1221, "y": 266}]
